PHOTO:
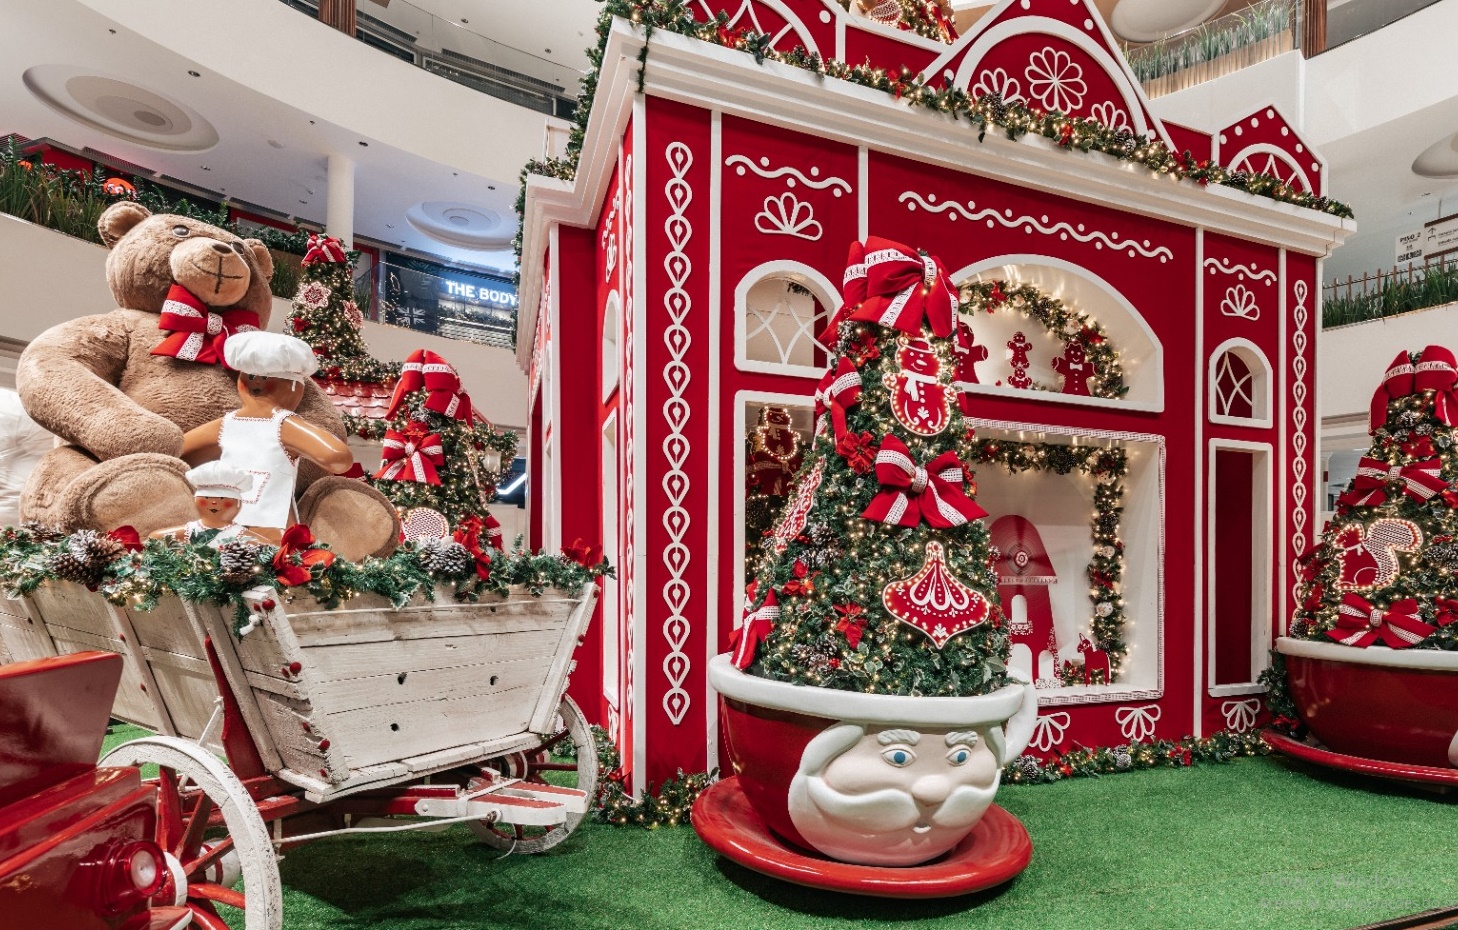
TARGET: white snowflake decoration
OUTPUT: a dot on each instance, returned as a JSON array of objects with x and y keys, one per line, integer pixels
[
  {"x": 315, "y": 295},
  {"x": 1111, "y": 115},
  {"x": 353, "y": 314},
  {"x": 1055, "y": 80},
  {"x": 998, "y": 81}
]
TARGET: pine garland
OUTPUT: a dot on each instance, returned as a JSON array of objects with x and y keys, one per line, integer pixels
[{"x": 1015, "y": 119}]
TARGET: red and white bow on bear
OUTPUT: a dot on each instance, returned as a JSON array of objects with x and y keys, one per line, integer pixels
[{"x": 195, "y": 333}]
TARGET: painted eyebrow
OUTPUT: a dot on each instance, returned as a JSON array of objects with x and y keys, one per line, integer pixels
[
  {"x": 899, "y": 736},
  {"x": 965, "y": 737}
]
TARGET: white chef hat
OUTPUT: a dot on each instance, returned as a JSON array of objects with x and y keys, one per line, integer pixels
[
  {"x": 219, "y": 479},
  {"x": 270, "y": 355}
]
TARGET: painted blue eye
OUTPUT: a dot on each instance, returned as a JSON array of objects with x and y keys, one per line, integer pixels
[
  {"x": 959, "y": 755},
  {"x": 899, "y": 756}
]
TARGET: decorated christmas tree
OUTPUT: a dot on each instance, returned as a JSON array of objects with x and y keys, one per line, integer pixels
[
  {"x": 878, "y": 576},
  {"x": 326, "y": 316},
  {"x": 440, "y": 456},
  {"x": 1385, "y": 570},
  {"x": 772, "y": 456}
]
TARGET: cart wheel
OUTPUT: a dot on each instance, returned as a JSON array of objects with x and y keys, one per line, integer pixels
[
  {"x": 533, "y": 767},
  {"x": 205, "y": 817}
]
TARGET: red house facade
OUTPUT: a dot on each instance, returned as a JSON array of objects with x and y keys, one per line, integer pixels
[{"x": 678, "y": 282}]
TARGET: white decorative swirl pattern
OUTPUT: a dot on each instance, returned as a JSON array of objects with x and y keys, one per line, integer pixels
[
  {"x": 1137, "y": 723},
  {"x": 1063, "y": 230},
  {"x": 1240, "y": 271},
  {"x": 1241, "y": 715},
  {"x": 1240, "y": 303},
  {"x": 791, "y": 175},
  {"x": 1048, "y": 731},
  {"x": 788, "y": 215},
  {"x": 610, "y": 238},
  {"x": 626, "y": 455},
  {"x": 676, "y": 413},
  {"x": 1055, "y": 80},
  {"x": 1299, "y": 442}
]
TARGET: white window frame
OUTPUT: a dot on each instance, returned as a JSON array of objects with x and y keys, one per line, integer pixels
[{"x": 1262, "y": 554}]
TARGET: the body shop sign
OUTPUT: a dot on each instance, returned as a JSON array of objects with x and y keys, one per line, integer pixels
[{"x": 498, "y": 294}]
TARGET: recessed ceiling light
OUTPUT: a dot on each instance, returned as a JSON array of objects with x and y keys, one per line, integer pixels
[
  {"x": 465, "y": 21},
  {"x": 275, "y": 143},
  {"x": 206, "y": 168},
  {"x": 194, "y": 74},
  {"x": 389, "y": 225},
  {"x": 311, "y": 122},
  {"x": 303, "y": 201},
  {"x": 112, "y": 31},
  {"x": 365, "y": 144},
  {"x": 549, "y": 51},
  {"x": 491, "y": 187}
]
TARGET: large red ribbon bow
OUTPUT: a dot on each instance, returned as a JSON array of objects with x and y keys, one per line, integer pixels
[
  {"x": 128, "y": 536},
  {"x": 195, "y": 333},
  {"x": 905, "y": 287},
  {"x": 839, "y": 390},
  {"x": 324, "y": 249},
  {"x": 1397, "y": 382},
  {"x": 853, "y": 291},
  {"x": 468, "y": 534},
  {"x": 1360, "y": 624},
  {"x": 297, "y": 540},
  {"x": 582, "y": 553},
  {"x": 425, "y": 369},
  {"x": 410, "y": 456},
  {"x": 1447, "y": 611},
  {"x": 1437, "y": 372},
  {"x": 1420, "y": 481},
  {"x": 911, "y": 493},
  {"x": 744, "y": 640}
]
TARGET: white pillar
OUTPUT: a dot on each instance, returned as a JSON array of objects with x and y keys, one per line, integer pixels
[{"x": 339, "y": 205}]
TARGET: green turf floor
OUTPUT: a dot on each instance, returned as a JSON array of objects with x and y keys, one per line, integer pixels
[{"x": 1261, "y": 843}]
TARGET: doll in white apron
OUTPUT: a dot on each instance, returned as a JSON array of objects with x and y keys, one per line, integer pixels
[
  {"x": 218, "y": 491},
  {"x": 263, "y": 437}
]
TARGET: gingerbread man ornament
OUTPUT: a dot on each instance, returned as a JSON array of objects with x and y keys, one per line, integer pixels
[
  {"x": 1075, "y": 368},
  {"x": 1019, "y": 346}
]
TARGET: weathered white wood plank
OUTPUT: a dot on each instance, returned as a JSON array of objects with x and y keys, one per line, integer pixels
[
  {"x": 373, "y": 735},
  {"x": 207, "y": 624},
  {"x": 67, "y": 604},
  {"x": 168, "y": 628},
  {"x": 484, "y": 681},
  {"x": 132, "y": 651},
  {"x": 546, "y": 706},
  {"x": 325, "y": 664},
  {"x": 25, "y": 636},
  {"x": 132, "y": 703}
]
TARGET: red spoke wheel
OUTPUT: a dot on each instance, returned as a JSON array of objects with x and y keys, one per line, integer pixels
[
  {"x": 541, "y": 766},
  {"x": 211, "y": 833}
]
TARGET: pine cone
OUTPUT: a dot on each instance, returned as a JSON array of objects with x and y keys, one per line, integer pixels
[
  {"x": 237, "y": 560},
  {"x": 1122, "y": 759},
  {"x": 69, "y": 568},
  {"x": 445, "y": 557},
  {"x": 92, "y": 547},
  {"x": 1029, "y": 766},
  {"x": 42, "y": 532}
]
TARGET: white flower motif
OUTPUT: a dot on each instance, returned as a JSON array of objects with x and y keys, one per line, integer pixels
[
  {"x": 998, "y": 81},
  {"x": 1108, "y": 113},
  {"x": 314, "y": 295},
  {"x": 353, "y": 314},
  {"x": 1055, "y": 80}
]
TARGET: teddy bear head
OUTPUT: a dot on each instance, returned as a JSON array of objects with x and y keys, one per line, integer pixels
[{"x": 151, "y": 252}]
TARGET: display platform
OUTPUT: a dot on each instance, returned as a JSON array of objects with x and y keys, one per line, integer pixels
[
  {"x": 1397, "y": 771},
  {"x": 996, "y": 851}
]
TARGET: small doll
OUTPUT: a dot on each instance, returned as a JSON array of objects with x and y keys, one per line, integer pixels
[
  {"x": 218, "y": 490},
  {"x": 263, "y": 437}
]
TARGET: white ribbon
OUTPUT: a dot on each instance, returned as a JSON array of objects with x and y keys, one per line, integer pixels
[{"x": 1137, "y": 723}]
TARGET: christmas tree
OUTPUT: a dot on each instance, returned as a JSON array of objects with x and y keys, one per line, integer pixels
[
  {"x": 439, "y": 453},
  {"x": 772, "y": 456},
  {"x": 878, "y": 576},
  {"x": 326, "y": 316},
  {"x": 1385, "y": 570}
]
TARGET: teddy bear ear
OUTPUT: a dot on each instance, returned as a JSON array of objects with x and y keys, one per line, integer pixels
[
  {"x": 119, "y": 219},
  {"x": 262, "y": 255}
]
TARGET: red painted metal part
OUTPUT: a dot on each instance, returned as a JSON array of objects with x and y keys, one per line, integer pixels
[
  {"x": 1397, "y": 771},
  {"x": 996, "y": 851},
  {"x": 1398, "y": 715},
  {"x": 765, "y": 747},
  {"x": 243, "y": 757},
  {"x": 53, "y": 715}
]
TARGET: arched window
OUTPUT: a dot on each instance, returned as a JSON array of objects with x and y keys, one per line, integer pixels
[
  {"x": 610, "y": 356},
  {"x": 1240, "y": 385},
  {"x": 780, "y": 307}
]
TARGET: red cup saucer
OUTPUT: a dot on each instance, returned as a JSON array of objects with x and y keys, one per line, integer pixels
[
  {"x": 1398, "y": 771},
  {"x": 996, "y": 851}
]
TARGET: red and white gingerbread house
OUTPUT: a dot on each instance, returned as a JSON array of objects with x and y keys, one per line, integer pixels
[{"x": 675, "y": 287}]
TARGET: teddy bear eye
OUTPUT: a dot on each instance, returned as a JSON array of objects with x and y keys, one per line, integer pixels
[
  {"x": 899, "y": 756},
  {"x": 180, "y": 232}
]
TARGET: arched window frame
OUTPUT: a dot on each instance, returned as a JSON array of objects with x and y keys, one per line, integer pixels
[
  {"x": 819, "y": 286},
  {"x": 1261, "y": 373},
  {"x": 611, "y": 355}
]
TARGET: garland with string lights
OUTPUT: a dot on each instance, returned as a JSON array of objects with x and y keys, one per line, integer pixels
[
  {"x": 1015, "y": 119},
  {"x": 1107, "y": 466},
  {"x": 668, "y": 806},
  {"x": 1068, "y": 326}
]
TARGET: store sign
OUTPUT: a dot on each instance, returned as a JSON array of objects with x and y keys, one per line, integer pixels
[
  {"x": 1440, "y": 237},
  {"x": 1410, "y": 247},
  {"x": 493, "y": 294}
]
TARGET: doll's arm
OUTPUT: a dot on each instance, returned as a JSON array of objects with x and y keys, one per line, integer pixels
[
  {"x": 200, "y": 444},
  {"x": 318, "y": 445}
]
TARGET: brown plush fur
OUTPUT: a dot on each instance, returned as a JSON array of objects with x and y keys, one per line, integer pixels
[{"x": 121, "y": 410}]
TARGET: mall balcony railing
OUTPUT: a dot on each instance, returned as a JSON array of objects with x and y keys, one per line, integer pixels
[
  {"x": 1389, "y": 292},
  {"x": 440, "y": 46}
]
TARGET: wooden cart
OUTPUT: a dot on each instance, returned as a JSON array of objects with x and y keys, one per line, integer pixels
[{"x": 364, "y": 718}]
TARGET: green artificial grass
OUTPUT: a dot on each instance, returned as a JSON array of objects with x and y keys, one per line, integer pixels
[{"x": 1259, "y": 843}]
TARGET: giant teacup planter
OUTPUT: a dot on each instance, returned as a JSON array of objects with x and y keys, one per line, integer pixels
[
  {"x": 872, "y": 779},
  {"x": 1376, "y": 710}
]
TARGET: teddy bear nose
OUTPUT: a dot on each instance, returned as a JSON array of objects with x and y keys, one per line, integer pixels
[{"x": 220, "y": 247}]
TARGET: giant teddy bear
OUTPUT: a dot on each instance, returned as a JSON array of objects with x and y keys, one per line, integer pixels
[{"x": 121, "y": 409}]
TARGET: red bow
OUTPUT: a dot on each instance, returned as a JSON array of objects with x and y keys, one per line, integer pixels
[
  {"x": 858, "y": 450},
  {"x": 468, "y": 534},
  {"x": 1420, "y": 481},
  {"x": 839, "y": 390},
  {"x": 297, "y": 540},
  {"x": 853, "y": 289},
  {"x": 583, "y": 554},
  {"x": 1396, "y": 383},
  {"x": 851, "y": 623},
  {"x": 425, "y": 369},
  {"x": 128, "y": 536},
  {"x": 195, "y": 333},
  {"x": 745, "y": 639},
  {"x": 905, "y": 288},
  {"x": 1436, "y": 372},
  {"x": 494, "y": 537},
  {"x": 324, "y": 249},
  {"x": 1360, "y": 624},
  {"x": 410, "y": 457},
  {"x": 802, "y": 580},
  {"x": 1447, "y": 611},
  {"x": 912, "y": 493}
]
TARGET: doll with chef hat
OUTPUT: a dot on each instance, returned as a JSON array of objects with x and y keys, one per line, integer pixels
[
  {"x": 218, "y": 490},
  {"x": 264, "y": 438}
]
